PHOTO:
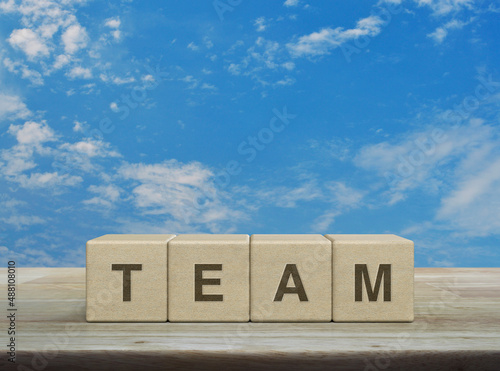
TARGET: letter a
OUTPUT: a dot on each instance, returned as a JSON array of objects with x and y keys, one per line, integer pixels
[{"x": 290, "y": 270}]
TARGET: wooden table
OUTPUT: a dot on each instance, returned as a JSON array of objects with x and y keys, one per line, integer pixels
[{"x": 457, "y": 326}]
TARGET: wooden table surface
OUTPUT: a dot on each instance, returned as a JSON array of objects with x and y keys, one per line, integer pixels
[{"x": 457, "y": 326}]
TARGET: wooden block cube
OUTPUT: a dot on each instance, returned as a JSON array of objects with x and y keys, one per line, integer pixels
[
  {"x": 208, "y": 278},
  {"x": 290, "y": 278},
  {"x": 372, "y": 278},
  {"x": 127, "y": 278}
]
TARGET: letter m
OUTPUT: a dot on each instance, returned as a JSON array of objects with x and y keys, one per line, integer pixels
[{"x": 361, "y": 272}]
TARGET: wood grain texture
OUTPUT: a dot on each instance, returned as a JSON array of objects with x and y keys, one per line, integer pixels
[{"x": 457, "y": 326}]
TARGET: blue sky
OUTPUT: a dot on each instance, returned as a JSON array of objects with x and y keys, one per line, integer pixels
[{"x": 231, "y": 116}]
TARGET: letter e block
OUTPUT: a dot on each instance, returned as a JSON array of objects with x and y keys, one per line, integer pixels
[
  {"x": 372, "y": 278},
  {"x": 208, "y": 278},
  {"x": 290, "y": 278},
  {"x": 127, "y": 278}
]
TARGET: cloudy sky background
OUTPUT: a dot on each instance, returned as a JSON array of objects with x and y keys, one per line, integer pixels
[{"x": 293, "y": 116}]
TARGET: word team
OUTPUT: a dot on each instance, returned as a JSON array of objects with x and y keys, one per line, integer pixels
[{"x": 257, "y": 278}]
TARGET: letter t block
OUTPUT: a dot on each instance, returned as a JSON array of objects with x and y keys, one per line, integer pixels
[
  {"x": 127, "y": 278},
  {"x": 372, "y": 278}
]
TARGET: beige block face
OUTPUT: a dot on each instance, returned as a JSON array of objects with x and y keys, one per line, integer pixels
[
  {"x": 127, "y": 278},
  {"x": 208, "y": 276},
  {"x": 386, "y": 261},
  {"x": 290, "y": 278}
]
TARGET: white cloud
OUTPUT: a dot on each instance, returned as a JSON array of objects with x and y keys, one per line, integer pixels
[
  {"x": 7, "y": 6},
  {"x": 338, "y": 198},
  {"x": 438, "y": 35},
  {"x": 31, "y": 138},
  {"x": 113, "y": 22},
  {"x": 324, "y": 221},
  {"x": 48, "y": 30},
  {"x": 49, "y": 180},
  {"x": 123, "y": 80},
  {"x": 193, "y": 46},
  {"x": 61, "y": 61},
  {"x": 208, "y": 86},
  {"x": 444, "y": 7},
  {"x": 289, "y": 197},
  {"x": 19, "y": 163},
  {"x": 287, "y": 80},
  {"x": 471, "y": 188},
  {"x": 458, "y": 163},
  {"x": 34, "y": 257},
  {"x": 261, "y": 62},
  {"x": 17, "y": 68},
  {"x": 78, "y": 127},
  {"x": 32, "y": 133},
  {"x": 335, "y": 197},
  {"x": 29, "y": 42},
  {"x": 234, "y": 69},
  {"x": 183, "y": 193},
  {"x": 208, "y": 43},
  {"x": 23, "y": 221},
  {"x": 15, "y": 161},
  {"x": 441, "y": 32},
  {"x": 106, "y": 195},
  {"x": 335, "y": 148},
  {"x": 472, "y": 208},
  {"x": 395, "y": 2},
  {"x": 91, "y": 148},
  {"x": 148, "y": 78},
  {"x": 169, "y": 183},
  {"x": 409, "y": 163},
  {"x": 260, "y": 24},
  {"x": 191, "y": 81},
  {"x": 116, "y": 34},
  {"x": 291, "y": 3},
  {"x": 342, "y": 195},
  {"x": 7, "y": 202},
  {"x": 79, "y": 72},
  {"x": 323, "y": 41},
  {"x": 306, "y": 188},
  {"x": 111, "y": 192},
  {"x": 50, "y": 36},
  {"x": 44, "y": 18},
  {"x": 12, "y": 213},
  {"x": 12, "y": 108},
  {"x": 74, "y": 38}
]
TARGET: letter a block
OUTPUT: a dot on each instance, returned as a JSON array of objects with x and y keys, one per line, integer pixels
[
  {"x": 127, "y": 278},
  {"x": 372, "y": 278},
  {"x": 290, "y": 278},
  {"x": 208, "y": 278}
]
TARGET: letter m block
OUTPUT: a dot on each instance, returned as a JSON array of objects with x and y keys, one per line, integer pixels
[
  {"x": 372, "y": 278},
  {"x": 361, "y": 273}
]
